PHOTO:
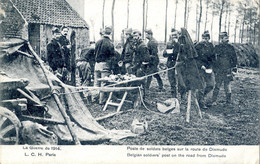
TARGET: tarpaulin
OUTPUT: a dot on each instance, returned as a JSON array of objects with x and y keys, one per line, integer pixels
[{"x": 16, "y": 65}]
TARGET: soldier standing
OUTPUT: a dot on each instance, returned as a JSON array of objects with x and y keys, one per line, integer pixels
[
  {"x": 171, "y": 52},
  {"x": 66, "y": 47},
  {"x": 128, "y": 49},
  {"x": 104, "y": 51},
  {"x": 55, "y": 55},
  {"x": 152, "y": 46},
  {"x": 140, "y": 58},
  {"x": 206, "y": 56},
  {"x": 225, "y": 64}
]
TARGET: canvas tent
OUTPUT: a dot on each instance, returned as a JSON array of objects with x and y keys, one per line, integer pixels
[{"x": 16, "y": 64}]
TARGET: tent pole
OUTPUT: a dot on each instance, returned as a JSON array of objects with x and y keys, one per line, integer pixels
[{"x": 56, "y": 98}]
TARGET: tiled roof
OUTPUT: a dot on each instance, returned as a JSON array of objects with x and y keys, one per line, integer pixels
[{"x": 53, "y": 12}]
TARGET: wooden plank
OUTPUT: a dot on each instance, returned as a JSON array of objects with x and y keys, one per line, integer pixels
[
  {"x": 198, "y": 107},
  {"x": 122, "y": 102},
  {"x": 108, "y": 115},
  {"x": 188, "y": 107},
  {"x": 108, "y": 100}
]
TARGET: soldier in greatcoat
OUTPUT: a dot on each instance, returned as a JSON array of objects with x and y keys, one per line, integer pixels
[
  {"x": 55, "y": 55},
  {"x": 66, "y": 47},
  {"x": 171, "y": 51},
  {"x": 205, "y": 59},
  {"x": 224, "y": 67},
  {"x": 152, "y": 46}
]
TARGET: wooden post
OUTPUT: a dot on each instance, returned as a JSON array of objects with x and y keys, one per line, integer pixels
[
  {"x": 56, "y": 98},
  {"x": 198, "y": 106},
  {"x": 188, "y": 107}
]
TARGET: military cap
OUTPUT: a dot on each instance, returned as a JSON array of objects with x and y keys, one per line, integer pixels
[
  {"x": 107, "y": 30},
  {"x": 128, "y": 31},
  {"x": 149, "y": 31},
  {"x": 136, "y": 31},
  {"x": 55, "y": 30},
  {"x": 223, "y": 34},
  {"x": 206, "y": 34},
  {"x": 173, "y": 30}
]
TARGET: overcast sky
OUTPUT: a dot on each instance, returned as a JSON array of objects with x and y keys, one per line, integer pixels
[{"x": 156, "y": 16}]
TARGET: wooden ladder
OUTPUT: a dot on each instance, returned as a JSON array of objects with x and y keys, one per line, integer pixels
[{"x": 118, "y": 105}]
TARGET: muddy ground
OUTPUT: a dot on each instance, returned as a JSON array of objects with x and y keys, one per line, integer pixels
[{"x": 237, "y": 124}]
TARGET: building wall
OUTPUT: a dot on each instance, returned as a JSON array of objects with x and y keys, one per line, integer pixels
[{"x": 13, "y": 24}]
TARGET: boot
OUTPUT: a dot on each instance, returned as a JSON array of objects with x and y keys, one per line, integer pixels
[
  {"x": 228, "y": 97},
  {"x": 214, "y": 97}
]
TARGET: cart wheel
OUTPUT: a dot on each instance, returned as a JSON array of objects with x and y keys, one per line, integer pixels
[{"x": 9, "y": 127}]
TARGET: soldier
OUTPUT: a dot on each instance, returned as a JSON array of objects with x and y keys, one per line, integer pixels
[
  {"x": 152, "y": 46},
  {"x": 128, "y": 49},
  {"x": 206, "y": 56},
  {"x": 104, "y": 51},
  {"x": 225, "y": 64},
  {"x": 55, "y": 55},
  {"x": 171, "y": 52},
  {"x": 140, "y": 58},
  {"x": 66, "y": 46}
]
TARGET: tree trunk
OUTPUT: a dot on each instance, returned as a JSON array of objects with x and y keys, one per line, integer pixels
[
  {"x": 242, "y": 30},
  {"x": 166, "y": 15},
  {"x": 143, "y": 19},
  {"x": 206, "y": 17},
  {"x": 188, "y": 14},
  {"x": 103, "y": 13},
  {"x": 220, "y": 17},
  {"x": 229, "y": 13},
  {"x": 212, "y": 23},
  {"x": 235, "y": 31},
  {"x": 176, "y": 4},
  {"x": 127, "y": 23},
  {"x": 112, "y": 15},
  {"x": 197, "y": 8},
  {"x": 185, "y": 14},
  {"x": 225, "y": 26},
  {"x": 200, "y": 15},
  {"x": 146, "y": 14}
]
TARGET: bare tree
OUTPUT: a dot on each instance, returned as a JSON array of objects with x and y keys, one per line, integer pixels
[
  {"x": 199, "y": 21},
  {"x": 175, "y": 14},
  {"x": 185, "y": 15},
  {"x": 143, "y": 18},
  {"x": 127, "y": 24},
  {"x": 222, "y": 3},
  {"x": 235, "y": 30},
  {"x": 146, "y": 14},
  {"x": 103, "y": 13},
  {"x": 206, "y": 14},
  {"x": 112, "y": 15},
  {"x": 166, "y": 15}
]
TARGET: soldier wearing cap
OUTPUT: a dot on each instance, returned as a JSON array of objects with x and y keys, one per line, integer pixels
[
  {"x": 104, "y": 51},
  {"x": 140, "y": 57},
  {"x": 55, "y": 55},
  {"x": 224, "y": 66},
  {"x": 206, "y": 56},
  {"x": 171, "y": 52},
  {"x": 66, "y": 48},
  {"x": 152, "y": 46},
  {"x": 128, "y": 49}
]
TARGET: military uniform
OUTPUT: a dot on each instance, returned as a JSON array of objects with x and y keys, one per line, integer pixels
[
  {"x": 174, "y": 47},
  {"x": 152, "y": 46},
  {"x": 226, "y": 60},
  {"x": 127, "y": 53},
  {"x": 205, "y": 59}
]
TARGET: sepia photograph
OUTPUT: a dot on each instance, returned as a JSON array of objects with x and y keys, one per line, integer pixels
[{"x": 129, "y": 81}]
